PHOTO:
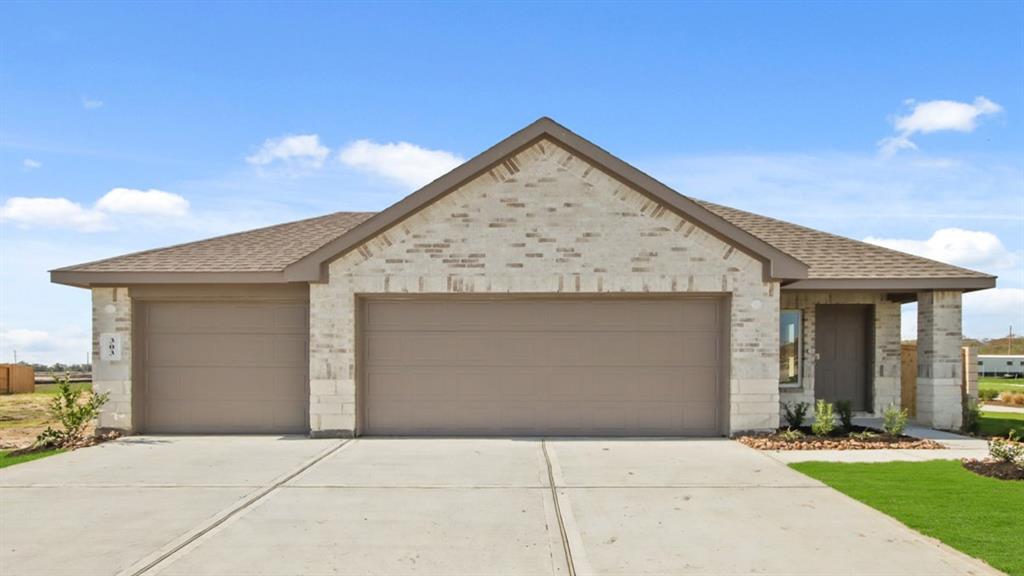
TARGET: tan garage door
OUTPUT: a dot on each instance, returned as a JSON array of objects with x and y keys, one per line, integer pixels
[
  {"x": 542, "y": 367},
  {"x": 224, "y": 367}
]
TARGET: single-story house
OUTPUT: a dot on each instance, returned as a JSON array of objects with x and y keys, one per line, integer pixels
[{"x": 544, "y": 287}]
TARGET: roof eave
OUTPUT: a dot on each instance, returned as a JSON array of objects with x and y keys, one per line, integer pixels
[
  {"x": 89, "y": 279},
  {"x": 964, "y": 284}
]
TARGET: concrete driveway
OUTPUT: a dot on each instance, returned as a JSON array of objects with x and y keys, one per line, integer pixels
[{"x": 283, "y": 506}]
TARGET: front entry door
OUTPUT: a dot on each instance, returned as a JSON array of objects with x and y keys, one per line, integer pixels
[{"x": 843, "y": 345}]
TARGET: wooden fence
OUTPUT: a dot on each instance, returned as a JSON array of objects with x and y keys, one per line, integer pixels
[
  {"x": 908, "y": 375},
  {"x": 17, "y": 379}
]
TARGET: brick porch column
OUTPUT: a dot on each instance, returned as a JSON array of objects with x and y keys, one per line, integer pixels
[{"x": 939, "y": 371}]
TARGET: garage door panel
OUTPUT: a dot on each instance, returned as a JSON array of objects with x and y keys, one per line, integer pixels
[
  {"x": 699, "y": 349},
  {"x": 571, "y": 367},
  {"x": 698, "y": 415},
  {"x": 225, "y": 367},
  {"x": 699, "y": 384}
]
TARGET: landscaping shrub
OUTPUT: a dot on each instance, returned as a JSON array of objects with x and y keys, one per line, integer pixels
[
  {"x": 845, "y": 411},
  {"x": 72, "y": 414},
  {"x": 1016, "y": 398},
  {"x": 791, "y": 435},
  {"x": 1009, "y": 449},
  {"x": 795, "y": 413},
  {"x": 987, "y": 394},
  {"x": 894, "y": 420},
  {"x": 864, "y": 436},
  {"x": 824, "y": 419}
]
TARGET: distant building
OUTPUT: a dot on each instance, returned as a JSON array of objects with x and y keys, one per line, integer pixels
[{"x": 1001, "y": 365}]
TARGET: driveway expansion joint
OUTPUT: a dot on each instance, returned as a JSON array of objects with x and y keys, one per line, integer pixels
[
  {"x": 558, "y": 509},
  {"x": 232, "y": 512}
]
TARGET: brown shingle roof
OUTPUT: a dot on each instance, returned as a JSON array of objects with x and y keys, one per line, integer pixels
[
  {"x": 273, "y": 248},
  {"x": 830, "y": 256},
  {"x": 268, "y": 249},
  {"x": 298, "y": 251}
]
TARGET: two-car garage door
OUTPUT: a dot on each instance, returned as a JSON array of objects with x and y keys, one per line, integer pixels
[{"x": 542, "y": 367}]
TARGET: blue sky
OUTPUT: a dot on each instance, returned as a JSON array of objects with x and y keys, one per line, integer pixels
[{"x": 143, "y": 125}]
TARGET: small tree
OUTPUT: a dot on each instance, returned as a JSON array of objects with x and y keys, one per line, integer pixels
[
  {"x": 894, "y": 420},
  {"x": 71, "y": 413},
  {"x": 824, "y": 419}
]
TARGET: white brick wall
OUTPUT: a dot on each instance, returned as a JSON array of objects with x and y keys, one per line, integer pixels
[
  {"x": 885, "y": 379},
  {"x": 545, "y": 222},
  {"x": 112, "y": 313},
  {"x": 939, "y": 369}
]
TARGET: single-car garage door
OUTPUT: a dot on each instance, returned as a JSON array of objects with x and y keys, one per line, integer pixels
[
  {"x": 542, "y": 367},
  {"x": 228, "y": 368}
]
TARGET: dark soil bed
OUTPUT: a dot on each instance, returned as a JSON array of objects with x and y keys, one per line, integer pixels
[
  {"x": 995, "y": 469},
  {"x": 837, "y": 441}
]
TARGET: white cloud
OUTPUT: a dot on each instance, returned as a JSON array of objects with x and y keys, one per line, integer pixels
[
  {"x": 936, "y": 116},
  {"x": 91, "y": 103},
  {"x": 30, "y": 164},
  {"x": 303, "y": 149},
  {"x": 986, "y": 313},
  {"x": 144, "y": 202},
  {"x": 968, "y": 248},
  {"x": 63, "y": 213},
  {"x": 69, "y": 344},
  {"x": 51, "y": 213},
  {"x": 1005, "y": 302},
  {"x": 406, "y": 163}
]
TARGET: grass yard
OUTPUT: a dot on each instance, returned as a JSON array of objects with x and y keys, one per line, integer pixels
[
  {"x": 51, "y": 389},
  {"x": 7, "y": 460},
  {"x": 1000, "y": 423},
  {"x": 1001, "y": 384},
  {"x": 977, "y": 515},
  {"x": 24, "y": 416}
]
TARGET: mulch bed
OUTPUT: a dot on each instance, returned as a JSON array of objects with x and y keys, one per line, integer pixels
[
  {"x": 838, "y": 442},
  {"x": 994, "y": 469}
]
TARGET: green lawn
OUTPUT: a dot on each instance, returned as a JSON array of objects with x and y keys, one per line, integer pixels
[
  {"x": 1000, "y": 423},
  {"x": 6, "y": 460},
  {"x": 51, "y": 389},
  {"x": 976, "y": 515},
  {"x": 998, "y": 384}
]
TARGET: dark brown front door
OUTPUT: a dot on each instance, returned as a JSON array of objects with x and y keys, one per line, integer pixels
[{"x": 843, "y": 345}]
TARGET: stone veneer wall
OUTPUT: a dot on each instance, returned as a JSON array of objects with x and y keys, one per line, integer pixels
[
  {"x": 939, "y": 369},
  {"x": 886, "y": 353},
  {"x": 544, "y": 221},
  {"x": 112, "y": 312}
]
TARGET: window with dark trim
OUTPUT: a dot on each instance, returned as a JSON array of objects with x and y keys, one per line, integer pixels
[{"x": 790, "y": 344}]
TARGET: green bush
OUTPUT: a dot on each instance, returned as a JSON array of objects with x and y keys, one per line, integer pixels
[
  {"x": 845, "y": 411},
  {"x": 795, "y": 413},
  {"x": 987, "y": 395},
  {"x": 864, "y": 436},
  {"x": 894, "y": 420},
  {"x": 790, "y": 435},
  {"x": 1010, "y": 449},
  {"x": 72, "y": 414},
  {"x": 824, "y": 419}
]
